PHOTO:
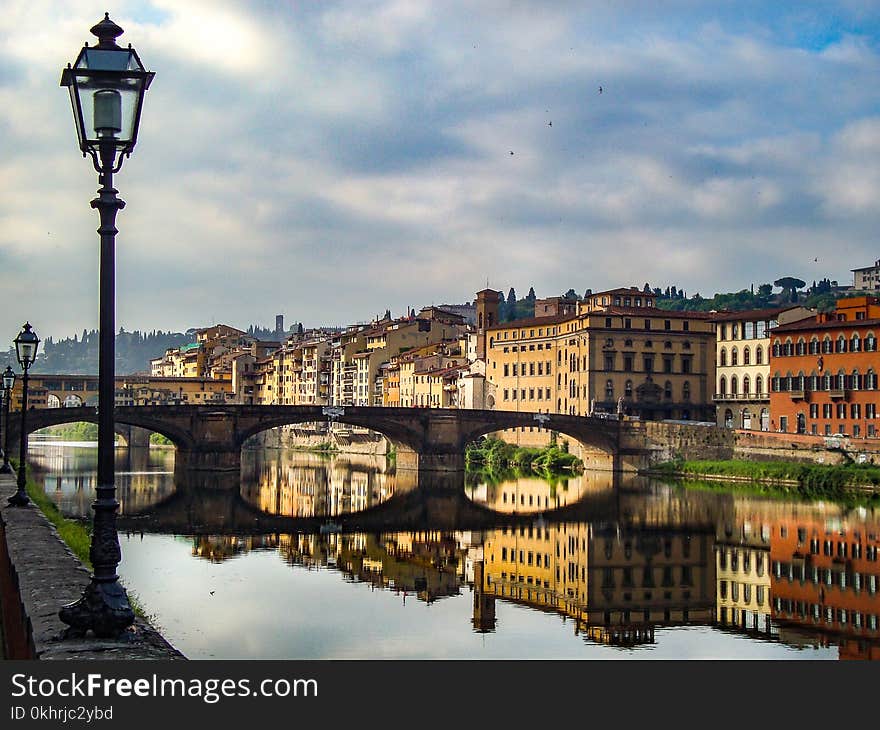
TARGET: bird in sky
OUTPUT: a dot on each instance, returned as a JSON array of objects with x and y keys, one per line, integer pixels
[
  {"x": 600, "y": 89},
  {"x": 549, "y": 124}
]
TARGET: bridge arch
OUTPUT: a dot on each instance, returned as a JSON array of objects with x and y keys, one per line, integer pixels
[
  {"x": 398, "y": 433},
  {"x": 42, "y": 418}
]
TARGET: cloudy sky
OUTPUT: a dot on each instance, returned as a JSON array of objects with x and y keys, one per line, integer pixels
[{"x": 329, "y": 160}]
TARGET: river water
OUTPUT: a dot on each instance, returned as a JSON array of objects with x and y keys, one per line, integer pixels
[{"x": 634, "y": 569}]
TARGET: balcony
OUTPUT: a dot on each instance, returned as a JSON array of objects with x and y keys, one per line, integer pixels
[
  {"x": 837, "y": 393},
  {"x": 741, "y": 396},
  {"x": 797, "y": 394}
]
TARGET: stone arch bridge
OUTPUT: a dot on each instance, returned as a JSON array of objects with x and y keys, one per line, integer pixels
[{"x": 209, "y": 438}]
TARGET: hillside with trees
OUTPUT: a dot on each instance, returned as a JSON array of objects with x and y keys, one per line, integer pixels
[{"x": 78, "y": 355}]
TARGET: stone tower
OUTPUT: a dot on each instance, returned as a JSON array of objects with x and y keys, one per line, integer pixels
[{"x": 487, "y": 316}]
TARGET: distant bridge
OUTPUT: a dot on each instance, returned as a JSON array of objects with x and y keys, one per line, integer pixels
[{"x": 210, "y": 437}]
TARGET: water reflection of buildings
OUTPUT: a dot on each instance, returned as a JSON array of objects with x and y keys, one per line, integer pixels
[
  {"x": 617, "y": 583},
  {"x": 824, "y": 580},
  {"x": 309, "y": 485},
  {"x": 742, "y": 555},
  {"x": 428, "y": 566},
  {"x": 143, "y": 477},
  {"x": 219, "y": 548}
]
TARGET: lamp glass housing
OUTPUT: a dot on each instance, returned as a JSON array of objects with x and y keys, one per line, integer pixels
[
  {"x": 8, "y": 378},
  {"x": 106, "y": 85},
  {"x": 26, "y": 346}
]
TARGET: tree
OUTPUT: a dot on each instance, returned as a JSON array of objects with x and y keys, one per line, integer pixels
[
  {"x": 570, "y": 294},
  {"x": 511, "y": 298},
  {"x": 765, "y": 290},
  {"x": 531, "y": 297},
  {"x": 790, "y": 285},
  {"x": 647, "y": 288}
]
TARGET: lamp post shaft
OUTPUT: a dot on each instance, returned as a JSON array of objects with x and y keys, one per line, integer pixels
[
  {"x": 104, "y": 607},
  {"x": 7, "y": 394},
  {"x": 105, "y": 552},
  {"x": 20, "y": 498}
]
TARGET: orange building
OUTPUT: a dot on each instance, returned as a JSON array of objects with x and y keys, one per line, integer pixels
[{"x": 823, "y": 372}]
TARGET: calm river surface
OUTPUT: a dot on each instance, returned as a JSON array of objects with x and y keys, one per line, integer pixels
[{"x": 637, "y": 570}]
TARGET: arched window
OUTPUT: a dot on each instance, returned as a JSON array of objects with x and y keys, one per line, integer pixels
[
  {"x": 746, "y": 385},
  {"x": 728, "y": 418},
  {"x": 841, "y": 380},
  {"x": 841, "y": 344},
  {"x": 609, "y": 389},
  {"x": 686, "y": 391},
  {"x": 826, "y": 382},
  {"x": 777, "y": 350},
  {"x": 759, "y": 385},
  {"x": 722, "y": 386},
  {"x": 747, "y": 356},
  {"x": 667, "y": 390},
  {"x": 759, "y": 356},
  {"x": 855, "y": 344},
  {"x": 789, "y": 382},
  {"x": 870, "y": 343},
  {"x": 788, "y": 348},
  {"x": 814, "y": 345},
  {"x": 776, "y": 385},
  {"x": 800, "y": 382},
  {"x": 826, "y": 345},
  {"x": 733, "y": 385},
  {"x": 870, "y": 380},
  {"x": 856, "y": 380},
  {"x": 724, "y": 357},
  {"x": 628, "y": 389},
  {"x": 734, "y": 357},
  {"x": 814, "y": 381}
]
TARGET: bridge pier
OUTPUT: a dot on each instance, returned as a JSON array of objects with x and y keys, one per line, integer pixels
[
  {"x": 429, "y": 466},
  {"x": 198, "y": 460}
]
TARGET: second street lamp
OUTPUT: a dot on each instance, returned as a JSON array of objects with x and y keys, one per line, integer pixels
[
  {"x": 8, "y": 384},
  {"x": 107, "y": 85},
  {"x": 26, "y": 350}
]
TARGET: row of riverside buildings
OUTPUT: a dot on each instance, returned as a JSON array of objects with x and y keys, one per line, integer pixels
[{"x": 613, "y": 353}]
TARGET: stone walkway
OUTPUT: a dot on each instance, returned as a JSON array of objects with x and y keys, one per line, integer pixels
[{"x": 49, "y": 576}]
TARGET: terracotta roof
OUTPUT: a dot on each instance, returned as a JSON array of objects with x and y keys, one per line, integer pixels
[
  {"x": 651, "y": 312},
  {"x": 624, "y": 290},
  {"x": 532, "y": 321},
  {"x": 811, "y": 324}
]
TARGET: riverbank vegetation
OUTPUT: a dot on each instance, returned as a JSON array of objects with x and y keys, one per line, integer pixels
[
  {"x": 80, "y": 431},
  {"x": 809, "y": 481},
  {"x": 496, "y": 456}
]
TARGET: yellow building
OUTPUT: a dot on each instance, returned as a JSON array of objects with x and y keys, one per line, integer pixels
[{"x": 645, "y": 362}]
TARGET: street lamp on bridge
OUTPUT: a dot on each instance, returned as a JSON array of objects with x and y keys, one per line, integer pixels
[
  {"x": 107, "y": 85},
  {"x": 26, "y": 351},
  {"x": 8, "y": 383}
]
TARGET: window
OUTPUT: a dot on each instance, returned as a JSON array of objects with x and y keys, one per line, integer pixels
[
  {"x": 686, "y": 391},
  {"x": 649, "y": 363},
  {"x": 628, "y": 389},
  {"x": 667, "y": 324},
  {"x": 734, "y": 357},
  {"x": 747, "y": 356},
  {"x": 609, "y": 390},
  {"x": 723, "y": 357}
]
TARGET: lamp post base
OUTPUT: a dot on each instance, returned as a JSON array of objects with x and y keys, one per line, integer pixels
[
  {"x": 19, "y": 500},
  {"x": 103, "y": 608}
]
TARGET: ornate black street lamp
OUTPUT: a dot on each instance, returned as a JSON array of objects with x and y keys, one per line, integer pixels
[
  {"x": 107, "y": 85},
  {"x": 8, "y": 383},
  {"x": 26, "y": 351}
]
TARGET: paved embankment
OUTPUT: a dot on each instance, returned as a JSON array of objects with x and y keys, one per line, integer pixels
[{"x": 48, "y": 575}]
